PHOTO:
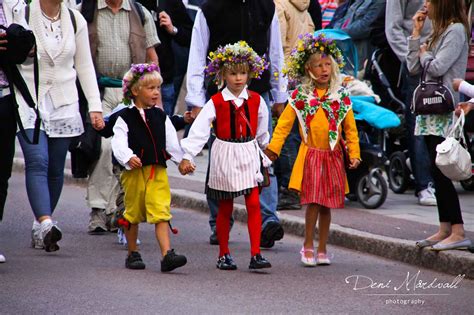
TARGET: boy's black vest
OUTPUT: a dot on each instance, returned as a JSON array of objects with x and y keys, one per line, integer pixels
[
  {"x": 147, "y": 140},
  {"x": 232, "y": 20}
]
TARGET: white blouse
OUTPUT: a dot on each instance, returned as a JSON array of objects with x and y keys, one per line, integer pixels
[{"x": 201, "y": 127}]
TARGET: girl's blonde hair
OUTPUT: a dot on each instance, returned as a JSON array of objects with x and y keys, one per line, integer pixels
[
  {"x": 309, "y": 84},
  {"x": 227, "y": 67}
]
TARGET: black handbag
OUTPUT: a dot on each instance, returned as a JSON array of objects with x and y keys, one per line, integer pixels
[
  {"x": 432, "y": 97},
  {"x": 20, "y": 42}
]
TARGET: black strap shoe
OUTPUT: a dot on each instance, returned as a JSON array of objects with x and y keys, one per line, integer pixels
[
  {"x": 258, "y": 262},
  {"x": 134, "y": 261},
  {"x": 171, "y": 261},
  {"x": 226, "y": 262}
]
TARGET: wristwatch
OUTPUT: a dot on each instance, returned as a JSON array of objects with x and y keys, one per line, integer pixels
[{"x": 175, "y": 30}]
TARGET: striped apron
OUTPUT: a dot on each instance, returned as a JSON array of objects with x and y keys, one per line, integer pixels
[
  {"x": 234, "y": 168},
  {"x": 324, "y": 178}
]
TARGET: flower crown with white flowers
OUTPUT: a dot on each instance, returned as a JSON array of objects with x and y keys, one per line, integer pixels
[
  {"x": 238, "y": 53},
  {"x": 138, "y": 70},
  {"x": 307, "y": 45}
]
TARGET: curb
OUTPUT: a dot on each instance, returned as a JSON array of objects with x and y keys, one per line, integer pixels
[{"x": 450, "y": 262}]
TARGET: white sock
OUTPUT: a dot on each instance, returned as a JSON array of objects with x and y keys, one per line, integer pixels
[{"x": 46, "y": 221}]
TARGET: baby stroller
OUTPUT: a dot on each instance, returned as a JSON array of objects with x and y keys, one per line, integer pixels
[{"x": 367, "y": 183}]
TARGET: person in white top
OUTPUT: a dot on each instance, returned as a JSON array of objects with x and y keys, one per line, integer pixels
[
  {"x": 64, "y": 55},
  {"x": 240, "y": 119},
  {"x": 144, "y": 138}
]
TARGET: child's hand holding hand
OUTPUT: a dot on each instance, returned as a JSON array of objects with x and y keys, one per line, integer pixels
[
  {"x": 134, "y": 162},
  {"x": 456, "y": 84},
  {"x": 354, "y": 163},
  {"x": 464, "y": 106},
  {"x": 188, "y": 117},
  {"x": 186, "y": 167},
  {"x": 271, "y": 155}
]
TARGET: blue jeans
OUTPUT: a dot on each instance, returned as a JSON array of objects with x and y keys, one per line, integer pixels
[
  {"x": 167, "y": 97},
  {"x": 284, "y": 164},
  {"x": 44, "y": 171},
  {"x": 268, "y": 196},
  {"x": 417, "y": 150}
]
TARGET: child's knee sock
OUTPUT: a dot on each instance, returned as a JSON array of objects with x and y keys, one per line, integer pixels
[
  {"x": 254, "y": 222},
  {"x": 224, "y": 213}
]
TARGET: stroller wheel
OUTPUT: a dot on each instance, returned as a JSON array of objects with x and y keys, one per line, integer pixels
[
  {"x": 372, "y": 190},
  {"x": 468, "y": 184},
  {"x": 398, "y": 173}
]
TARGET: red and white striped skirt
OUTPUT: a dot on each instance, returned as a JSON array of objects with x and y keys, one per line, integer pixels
[{"x": 324, "y": 178}]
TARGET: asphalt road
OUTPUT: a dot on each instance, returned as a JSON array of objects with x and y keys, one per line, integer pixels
[{"x": 88, "y": 276}]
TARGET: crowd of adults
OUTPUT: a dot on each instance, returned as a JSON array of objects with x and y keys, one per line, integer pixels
[{"x": 92, "y": 44}]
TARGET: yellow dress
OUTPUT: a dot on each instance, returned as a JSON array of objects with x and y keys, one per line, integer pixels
[{"x": 317, "y": 137}]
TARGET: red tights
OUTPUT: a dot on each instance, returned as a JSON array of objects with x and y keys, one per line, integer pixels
[{"x": 254, "y": 222}]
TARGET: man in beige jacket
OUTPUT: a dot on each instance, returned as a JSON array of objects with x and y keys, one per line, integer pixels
[{"x": 294, "y": 20}]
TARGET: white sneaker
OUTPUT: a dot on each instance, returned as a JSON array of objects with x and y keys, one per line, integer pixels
[
  {"x": 426, "y": 197},
  {"x": 36, "y": 240},
  {"x": 2, "y": 259},
  {"x": 51, "y": 235}
]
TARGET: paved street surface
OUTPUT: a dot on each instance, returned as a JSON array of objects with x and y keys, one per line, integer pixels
[{"x": 88, "y": 276}]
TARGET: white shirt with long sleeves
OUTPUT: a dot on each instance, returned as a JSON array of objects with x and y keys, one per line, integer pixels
[
  {"x": 123, "y": 153},
  {"x": 198, "y": 57},
  {"x": 201, "y": 128},
  {"x": 468, "y": 90}
]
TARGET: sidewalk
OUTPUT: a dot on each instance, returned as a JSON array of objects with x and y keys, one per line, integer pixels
[{"x": 389, "y": 231}]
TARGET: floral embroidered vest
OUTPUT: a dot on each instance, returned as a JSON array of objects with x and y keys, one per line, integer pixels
[{"x": 335, "y": 105}]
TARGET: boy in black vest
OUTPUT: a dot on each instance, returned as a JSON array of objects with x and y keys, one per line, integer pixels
[{"x": 144, "y": 138}]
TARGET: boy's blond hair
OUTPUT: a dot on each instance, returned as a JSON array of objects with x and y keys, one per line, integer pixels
[{"x": 136, "y": 77}]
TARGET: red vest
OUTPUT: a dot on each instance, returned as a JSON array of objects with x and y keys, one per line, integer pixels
[{"x": 229, "y": 123}]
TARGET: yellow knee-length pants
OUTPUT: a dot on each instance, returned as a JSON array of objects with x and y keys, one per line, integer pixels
[{"x": 147, "y": 195}]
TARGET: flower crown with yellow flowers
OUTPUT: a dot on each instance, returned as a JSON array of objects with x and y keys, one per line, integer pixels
[
  {"x": 138, "y": 70},
  {"x": 237, "y": 53},
  {"x": 307, "y": 45}
]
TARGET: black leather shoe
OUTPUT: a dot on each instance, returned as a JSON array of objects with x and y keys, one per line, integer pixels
[
  {"x": 134, "y": 261},
  {"x": 171, "y": 261},
  {"x": 213, "y": 239},
  {"x": 226, "y": 262},
  {"x": 258, "y": 262},
  {"x": 272, "y": 232}
]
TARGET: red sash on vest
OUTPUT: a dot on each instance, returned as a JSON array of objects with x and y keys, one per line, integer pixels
[{"x": 230, "y": 123}]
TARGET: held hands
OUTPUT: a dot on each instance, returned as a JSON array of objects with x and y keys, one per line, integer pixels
[
  {"x": 188, "y": 117},
  {"x": 165, "y": 22},
  {"x": 3, "y": 42},
  {"x": 134, "y": 162},
  {"x": 353, "y": 164},
  {"x": 186, "y": 167},
  {"x": 97, "y": 120},
  {"x": 456, "y": 84},
  {"x": 270, "y": 154},
  {"x": 277, "y": 109}
]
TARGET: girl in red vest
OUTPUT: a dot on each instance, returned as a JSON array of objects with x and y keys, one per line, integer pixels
[{"x": 240, "y": 122}]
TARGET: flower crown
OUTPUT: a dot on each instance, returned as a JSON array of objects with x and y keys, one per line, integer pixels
[
  {"x": 237, "y": 53},
  {"x": 138, "y": 70},
  {"x": 307, "y": 45}
]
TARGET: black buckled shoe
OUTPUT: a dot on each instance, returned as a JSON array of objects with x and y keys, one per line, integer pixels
[
  {"x": 226, "y": 262},
  {"x": 171, "y": 261},
  {"x": 272, "y": 232},
  {"x": 134, "y": 261},
  {"x": 258, "y": 262}
]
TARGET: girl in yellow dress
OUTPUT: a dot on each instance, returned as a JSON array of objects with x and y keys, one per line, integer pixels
[{"x": 324, "y": 111}]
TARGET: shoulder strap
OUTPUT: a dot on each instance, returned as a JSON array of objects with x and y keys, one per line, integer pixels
[
  {"x": 73, "y": 20},
  {"x": 139, "y": 9}
]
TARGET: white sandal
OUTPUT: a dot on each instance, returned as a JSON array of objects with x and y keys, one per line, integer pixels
[{"x": 308, "y": 262}]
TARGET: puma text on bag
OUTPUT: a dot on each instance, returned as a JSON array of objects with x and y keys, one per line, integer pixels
[
  {"x": 432, "y": 97},
  {"x": 452, "y": 158}
]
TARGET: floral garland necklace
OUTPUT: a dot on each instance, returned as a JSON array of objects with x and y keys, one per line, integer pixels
[{"x": 335, "y": 109}]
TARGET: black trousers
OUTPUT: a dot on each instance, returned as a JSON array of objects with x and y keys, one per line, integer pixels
[
  {"x": 7, "y": 146},
  {"x": 447, "y": 198}
]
